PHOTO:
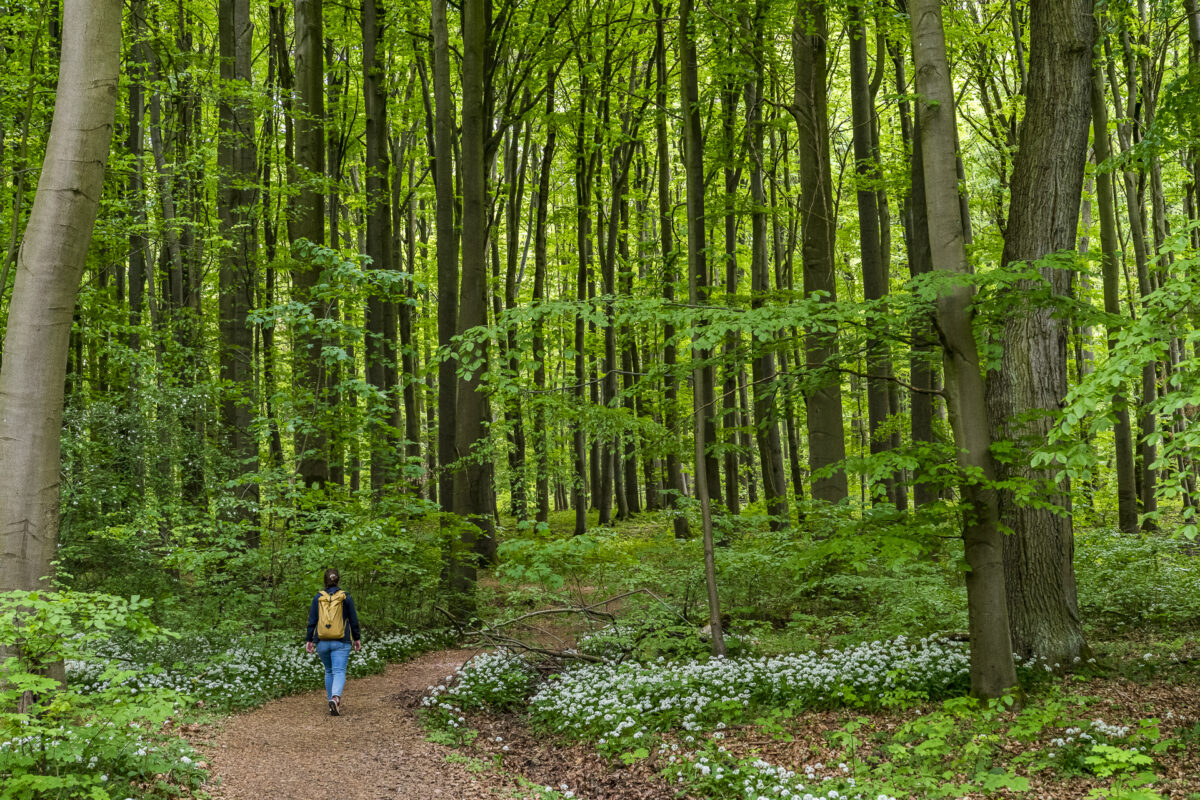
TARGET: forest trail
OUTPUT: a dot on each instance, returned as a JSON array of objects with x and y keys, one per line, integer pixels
[{"x": 293, "y": 749}]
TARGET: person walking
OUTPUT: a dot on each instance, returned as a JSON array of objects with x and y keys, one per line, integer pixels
[{"x": 332, "y": 631}]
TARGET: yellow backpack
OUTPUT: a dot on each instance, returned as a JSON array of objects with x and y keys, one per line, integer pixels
[{"x": 331, "y": 625}]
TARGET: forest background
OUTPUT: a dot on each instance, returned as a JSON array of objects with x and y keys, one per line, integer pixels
[{"x": 421, "y": 289}]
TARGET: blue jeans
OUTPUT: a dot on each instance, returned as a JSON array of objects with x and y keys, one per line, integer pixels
[{"x": 334, "y": 655}]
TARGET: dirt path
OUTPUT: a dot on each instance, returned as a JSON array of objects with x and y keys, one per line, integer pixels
[{"x": 375, "y": 749}]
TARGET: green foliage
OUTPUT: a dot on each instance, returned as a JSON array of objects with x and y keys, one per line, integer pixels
[
  {"x": 1131, "y": 581},
  {"x": 69, "y": 741},
  {"x": 205, "y": 575}
]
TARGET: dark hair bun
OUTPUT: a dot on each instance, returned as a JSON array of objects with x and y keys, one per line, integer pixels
[{"x": 332, "y": 577}]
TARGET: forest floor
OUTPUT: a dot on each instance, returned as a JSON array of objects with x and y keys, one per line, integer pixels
[{"x": 292, "y": 748}]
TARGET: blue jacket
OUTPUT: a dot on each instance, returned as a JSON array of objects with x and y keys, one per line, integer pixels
[{"x": 348, "y": 613}]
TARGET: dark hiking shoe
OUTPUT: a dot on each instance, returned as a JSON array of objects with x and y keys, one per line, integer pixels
[{"x": 333, "y": 708}]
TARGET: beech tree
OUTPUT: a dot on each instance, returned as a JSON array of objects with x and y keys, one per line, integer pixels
[
  {"x": 51, "y": 261},
  {"x": 992, "y": 671}
]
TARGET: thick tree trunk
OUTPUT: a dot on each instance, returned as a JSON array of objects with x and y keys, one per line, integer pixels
[
  {"x": 50, "y": 265},
  {"x": 826, "y": 435},
  {"x": 1032, "y": 379},
  {"x": 992, "y": 670}
]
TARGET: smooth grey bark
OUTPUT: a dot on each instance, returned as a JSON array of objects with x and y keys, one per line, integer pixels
[
  {"x": 585, "y": 161},
  {"x": 1031, "y": 381},
  {"x": 992, "y": 670},
  {"x": 826, "y": 434},
  {"x": 50, "y": 265},
  {"x": 693, "y": 158},
  {"x": 729, "y": 391},
  {"x": 516, "y": 159}
]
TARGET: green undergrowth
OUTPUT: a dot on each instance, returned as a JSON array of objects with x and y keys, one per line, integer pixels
[
  {"x": 829, "y": 616},
  {"x": 903, "y": 727},
  {"x": 109, "y": 732}
]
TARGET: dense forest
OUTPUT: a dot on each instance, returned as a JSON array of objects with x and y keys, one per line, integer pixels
[{"x": 807, "y": 322}]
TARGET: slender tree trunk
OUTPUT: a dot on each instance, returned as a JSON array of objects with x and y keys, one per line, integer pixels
[
  {"x": 879, "y": 366},
  {"x": 138, "y": 240},
  {"x": 516, "y": 159},
  {"x": 1127, "y": 513},
  {"x": 238, "y": 275},
  {"x": 826, "y": 435},
  {"x": 674, "y": 482},
  {"x": 584, "y": 162},
  {"x": 729, "y": 392},
  {"x": 541, "y": 436},
  {"x": 447, "y": 253},
  {"x": 766, "y": 425},
  {"x": 472, "y": 471},
  {"x": 383, "y": 413},
  {"x": 992, "y": 670},
  {"x": 50, "y": 265},
  {"x": 697, "y": 295},
  {"x": 307, "y": 221}
]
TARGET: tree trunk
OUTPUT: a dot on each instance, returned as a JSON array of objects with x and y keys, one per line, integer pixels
[
  {"x": 50, "y": 265},
  {"x": 879, "y": 366},
  {"x": 674, "y": 487},
  {"x": 541, "y": 436},
  {"x": 514, "y": 174},
  {"x": 307, "y": 221},
  {"x": 766, "y": 424},
  {"x": 992, "y": 670},
  {"x": 1032, "y": 379},
  {"x": 826, "y": 436},
  {"x": 472, "y": 470},
  {"x": 383, "y": 412},
  {"x": 702, "y": 400},
  {"x": 1127, "y": 512},
  {"x": 584, "y": 165},
  {"x": 447, "y": 252},
  {"x": 729, "y": 390},
  {"x": 238, "y": 274}
]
